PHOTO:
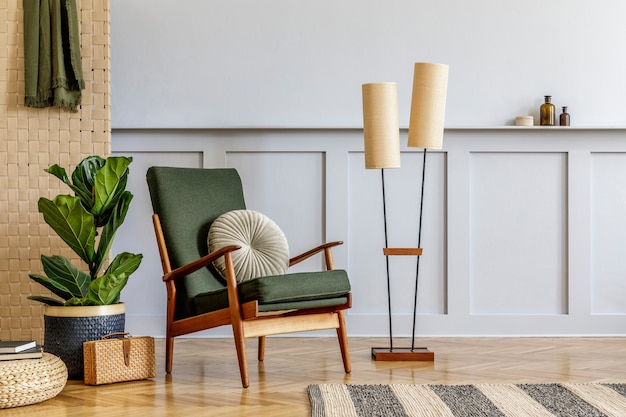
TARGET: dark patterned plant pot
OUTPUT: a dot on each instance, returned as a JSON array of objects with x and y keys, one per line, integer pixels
[{"x": 66, "y": 328}]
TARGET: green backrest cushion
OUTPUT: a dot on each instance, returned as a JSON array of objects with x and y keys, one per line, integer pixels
[{"x": 187, "y": 201}]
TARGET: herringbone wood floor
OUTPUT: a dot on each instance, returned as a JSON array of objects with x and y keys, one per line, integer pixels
[{"x": 205, "y": 380}]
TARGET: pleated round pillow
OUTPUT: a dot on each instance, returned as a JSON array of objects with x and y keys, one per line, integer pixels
[{"x": 264, "y": 249}]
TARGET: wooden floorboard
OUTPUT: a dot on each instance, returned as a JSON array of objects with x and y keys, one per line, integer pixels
[{"x": 205, "y": 379}]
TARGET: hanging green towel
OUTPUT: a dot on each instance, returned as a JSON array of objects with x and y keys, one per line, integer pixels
[{"x": 53, "y": 71}]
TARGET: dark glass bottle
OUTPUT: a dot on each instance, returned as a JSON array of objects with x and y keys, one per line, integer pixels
[
  {"x": 547, "y": 112},
  {"x": 564, "y": 117}
]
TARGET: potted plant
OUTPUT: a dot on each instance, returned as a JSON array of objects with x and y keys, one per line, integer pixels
[{"x": 87, "y": 221}]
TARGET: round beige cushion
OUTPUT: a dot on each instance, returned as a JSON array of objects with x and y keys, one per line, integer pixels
[{"x": 264, "y": 249}]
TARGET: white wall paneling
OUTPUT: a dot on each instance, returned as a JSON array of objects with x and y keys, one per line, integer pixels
[
  {"x": 608, "y": 229},
  {"x": 522, "y": 230},
  {"x": 518, "y": 243}
]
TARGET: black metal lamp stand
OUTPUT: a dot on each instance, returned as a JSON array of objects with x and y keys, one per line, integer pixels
[{"x": 413, "y": 353}]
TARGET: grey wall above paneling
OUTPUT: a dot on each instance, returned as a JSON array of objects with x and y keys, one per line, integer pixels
[{"x": 280, "y": 63}]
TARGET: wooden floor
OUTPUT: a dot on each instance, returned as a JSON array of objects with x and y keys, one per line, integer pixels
[{"x": 205, "y": 380}]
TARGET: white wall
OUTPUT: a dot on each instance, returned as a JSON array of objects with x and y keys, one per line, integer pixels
[
  {"x": 281, "y": 63},
  {"x": 524, "y": 226}
]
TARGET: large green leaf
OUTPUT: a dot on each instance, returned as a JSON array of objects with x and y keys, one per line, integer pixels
[
  {"x": 107, "y": 233},
  {"x": 60, "y": 173},
  {"x": 45, "y": 300},
  {"x": 60, "y": 270},
  {"x": 107, "y": 288},
  {"x": 69, "y": 219},
  {"x": 110, "y": 183},
  {"x": 84, "y": 178},
  {"x": 52, "y": 285},
  {"x": 124, "y": 263}
]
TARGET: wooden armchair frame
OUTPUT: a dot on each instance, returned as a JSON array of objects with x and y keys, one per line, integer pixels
[{"x": 245, "y": 319}]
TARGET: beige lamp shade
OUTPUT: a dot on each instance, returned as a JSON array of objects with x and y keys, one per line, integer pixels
[
  {"x": 381, "y": 132},
  {"x": 428, "y": 105}
]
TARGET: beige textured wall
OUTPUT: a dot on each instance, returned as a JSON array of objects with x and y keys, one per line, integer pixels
[{"x": 30, "y": 141}]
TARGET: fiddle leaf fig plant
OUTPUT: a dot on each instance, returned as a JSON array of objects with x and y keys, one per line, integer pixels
[{"x": 87, "y": 223}]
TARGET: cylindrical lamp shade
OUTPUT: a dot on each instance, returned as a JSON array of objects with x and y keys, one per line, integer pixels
[
  {"x": 380, "y": 125},
  {"x": 428, "y": 105}
]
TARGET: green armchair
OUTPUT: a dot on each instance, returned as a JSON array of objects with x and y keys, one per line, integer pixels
[{"x": 186, "y": 202}]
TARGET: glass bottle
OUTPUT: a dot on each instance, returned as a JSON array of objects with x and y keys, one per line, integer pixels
[
  {"x": 564, "y": 117},
  {"x": 547, "y": 112}
]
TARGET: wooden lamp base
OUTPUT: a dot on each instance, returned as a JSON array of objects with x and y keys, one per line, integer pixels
[{"x": 403, "y": 354}]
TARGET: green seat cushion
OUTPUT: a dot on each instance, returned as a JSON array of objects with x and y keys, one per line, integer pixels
[
  {"x": 304, "y": 286},
  {"x": 283, "y": 292}
]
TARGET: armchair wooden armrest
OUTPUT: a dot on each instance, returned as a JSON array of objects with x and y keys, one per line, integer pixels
[
  {"x": 324, "y": 247},
  {"x": 200, "y": 263}
]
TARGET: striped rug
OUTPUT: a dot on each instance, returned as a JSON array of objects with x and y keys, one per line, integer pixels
[{"x": 480, "y": 400}]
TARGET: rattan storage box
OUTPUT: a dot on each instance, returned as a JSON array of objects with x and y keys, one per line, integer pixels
[
  {"x": 31, "y": 381},
  {"x": 118, "y": 359}
]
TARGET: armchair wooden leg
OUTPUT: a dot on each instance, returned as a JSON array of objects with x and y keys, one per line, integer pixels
[
  {"x": 261, "y": 348},
  {"x": 240, "y": 345},
  {"x": 169, "y": 353},
  {"x": 343, "y": 342}
]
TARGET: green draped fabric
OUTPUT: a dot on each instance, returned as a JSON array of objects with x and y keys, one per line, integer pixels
[{"x": 53, "y": 70}]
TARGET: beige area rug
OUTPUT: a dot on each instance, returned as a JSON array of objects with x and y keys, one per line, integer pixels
[{"x": 480, "y": 400}]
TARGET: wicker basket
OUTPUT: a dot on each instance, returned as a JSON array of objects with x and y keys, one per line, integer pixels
[
  {"x": 66, "y": 328},
  {"x": 31, "y": 381}
]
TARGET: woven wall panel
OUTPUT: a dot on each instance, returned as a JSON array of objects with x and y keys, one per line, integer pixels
[{"x": 32, "y": 140}]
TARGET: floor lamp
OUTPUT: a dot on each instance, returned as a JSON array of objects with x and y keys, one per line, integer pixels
[
  {"x": 426, "y": 124},
  {"x": 381, "y": 134}
]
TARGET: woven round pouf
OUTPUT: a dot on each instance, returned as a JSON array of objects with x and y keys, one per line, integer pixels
[{"x": 31, "y": 381}]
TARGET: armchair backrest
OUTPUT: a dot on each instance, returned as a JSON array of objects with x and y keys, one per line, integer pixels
[{"x": 187, "y": 201}]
